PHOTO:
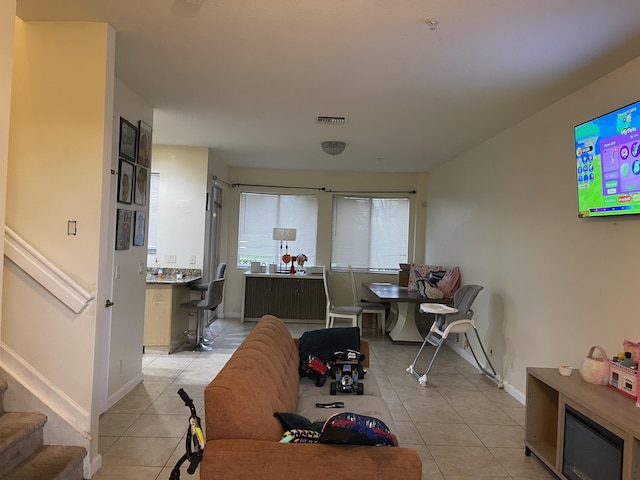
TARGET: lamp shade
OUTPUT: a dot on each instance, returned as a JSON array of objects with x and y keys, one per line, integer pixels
[{"x": 284, "y": 234}]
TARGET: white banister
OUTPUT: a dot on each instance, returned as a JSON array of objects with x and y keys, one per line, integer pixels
[{"x": 45, "y": 273}]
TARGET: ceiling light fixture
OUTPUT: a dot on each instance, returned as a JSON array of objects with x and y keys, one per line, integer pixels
[
  {"x": 433, "y": 23},
  {"x": 333, "y": 147}
]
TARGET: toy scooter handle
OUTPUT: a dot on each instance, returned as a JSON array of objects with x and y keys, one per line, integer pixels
[{"x": 187, "y": 401}]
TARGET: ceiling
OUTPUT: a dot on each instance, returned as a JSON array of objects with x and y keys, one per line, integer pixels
[{"x": 249, "y": 77}]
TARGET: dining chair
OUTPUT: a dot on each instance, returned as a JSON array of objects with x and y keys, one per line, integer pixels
[
  {"x": 376, "y": 308},
  {"x": 334, "y": 311}
]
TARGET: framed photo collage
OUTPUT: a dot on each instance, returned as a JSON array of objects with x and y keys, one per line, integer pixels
[{"x": 134, "y": 153}]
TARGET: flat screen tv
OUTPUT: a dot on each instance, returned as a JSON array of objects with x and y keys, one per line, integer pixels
[{"x": 608, "y": 163}]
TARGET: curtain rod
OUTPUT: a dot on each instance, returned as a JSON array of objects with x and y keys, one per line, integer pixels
[
  {"x": 324, "y": 189},
  {"x": 410, "y": 192},
  {"x": 235, "y": 185}
]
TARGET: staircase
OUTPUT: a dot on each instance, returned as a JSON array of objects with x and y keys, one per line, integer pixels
[{"x": 23, "y": 455}]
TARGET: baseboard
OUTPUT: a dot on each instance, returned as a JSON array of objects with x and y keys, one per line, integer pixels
[
  {"x": 122, "y": 392},
  {"x": 41, "y": 388},
  {"x": 89, "y": 468},
  {"x": 464, "y": 353}
]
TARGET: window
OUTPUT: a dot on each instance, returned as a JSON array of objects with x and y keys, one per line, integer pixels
[
  {"x": 260, "y": 213},
  {"x": 154, "y": 199},
  {"x": 370, "y": 233}
]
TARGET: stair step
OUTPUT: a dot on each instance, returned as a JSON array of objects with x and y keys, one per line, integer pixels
[
  {"x": 20, "y": 437},
  {"x": 51, "y": 462}
]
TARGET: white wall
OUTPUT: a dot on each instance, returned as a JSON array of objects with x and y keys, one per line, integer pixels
[
  {"x": 506, "y": 213},
  {"x": 181, "y": 210},
  {"x": 56, "y": 153},
  {"x": 331, "y": 180},
  {"x": 7, "y": 33},
  {"x": 59, "y": 156}
]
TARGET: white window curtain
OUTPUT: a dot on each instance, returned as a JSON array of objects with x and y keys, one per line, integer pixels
[
  {"x": 260, "y": 213},
  {"x": 154, "y": 200},
  {"x": 370, "y": 233}
]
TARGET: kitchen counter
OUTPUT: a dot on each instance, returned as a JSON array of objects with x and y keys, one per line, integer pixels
[
  {"x": 171, "y": 280},
  {"x": 165, "y": 321}
]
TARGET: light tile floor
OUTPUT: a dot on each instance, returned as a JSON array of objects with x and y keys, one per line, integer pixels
[{"x": 461, "y": 424}]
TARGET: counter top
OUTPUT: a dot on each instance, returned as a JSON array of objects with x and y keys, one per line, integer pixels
[
  {"x": 170, "y": 280},
  {"x": 283, "y": 275}
]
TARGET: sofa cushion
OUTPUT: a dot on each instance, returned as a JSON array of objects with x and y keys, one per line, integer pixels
[{"x": 308, "y": 386}]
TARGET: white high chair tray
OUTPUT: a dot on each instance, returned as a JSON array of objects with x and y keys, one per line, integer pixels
[{"x": 437, "y": 308}]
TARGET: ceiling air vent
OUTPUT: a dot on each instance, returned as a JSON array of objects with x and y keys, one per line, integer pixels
[{"x": 331, "y": 120}]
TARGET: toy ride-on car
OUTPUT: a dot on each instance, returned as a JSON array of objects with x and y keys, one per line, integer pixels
[{"x": 347, "y": 372}]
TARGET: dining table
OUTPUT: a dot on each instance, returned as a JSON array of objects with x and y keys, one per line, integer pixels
[{"x": 404, "y": 303}]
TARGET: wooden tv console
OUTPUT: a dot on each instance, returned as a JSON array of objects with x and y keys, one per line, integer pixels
[{"x": 547, "y": 394}]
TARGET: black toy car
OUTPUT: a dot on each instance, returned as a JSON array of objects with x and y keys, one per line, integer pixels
[{"x": 347, "y": 372}]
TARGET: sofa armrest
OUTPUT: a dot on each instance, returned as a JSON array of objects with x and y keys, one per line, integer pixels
[{"x": 231, "y": 459}]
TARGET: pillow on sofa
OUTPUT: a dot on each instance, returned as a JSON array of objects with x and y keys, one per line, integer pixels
[
  {"x": 293, "y": 421},
  {"x": 322, "y": 343}
]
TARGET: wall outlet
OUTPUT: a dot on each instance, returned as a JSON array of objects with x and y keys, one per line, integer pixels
[
  {"x": 170, "y": 258},
  {"x": 140, "y": 268},
  {"x": 192, "y": 260}
]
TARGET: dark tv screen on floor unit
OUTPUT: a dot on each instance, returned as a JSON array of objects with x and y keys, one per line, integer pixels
[{"x": 607, "y": 151}]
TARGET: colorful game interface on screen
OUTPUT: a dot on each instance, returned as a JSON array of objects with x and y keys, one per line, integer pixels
[{"x": 608, "y": 163}]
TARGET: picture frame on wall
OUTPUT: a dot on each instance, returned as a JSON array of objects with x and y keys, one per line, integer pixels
[
  {"x": 144, "y": 144},
  {"x": 128, "y": 140},
  {"x": 139, "y": 228},
  {"x": 123, "y": 229},
  {"x": 125, "y": 181},
  {"x": 140, "y": 189}
]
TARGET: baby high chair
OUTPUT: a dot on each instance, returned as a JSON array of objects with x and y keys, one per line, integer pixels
[{"x": 456, "y": 319}]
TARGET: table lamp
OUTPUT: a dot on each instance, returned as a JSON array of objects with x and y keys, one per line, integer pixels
[{"x": 284, "y": 235}]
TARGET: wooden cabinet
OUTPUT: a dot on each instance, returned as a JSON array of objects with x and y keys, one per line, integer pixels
[
  {"x": 291, "y": 297},
  {"x": 164, "y": 320},
  {"x": 548, "y": 393}
]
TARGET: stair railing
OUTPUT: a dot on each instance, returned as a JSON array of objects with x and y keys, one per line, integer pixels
[{"x": 45, "y": 273}]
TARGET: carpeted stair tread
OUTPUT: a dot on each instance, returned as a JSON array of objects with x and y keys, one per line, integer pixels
[
  {"x": 51, "y": 462},
  {"x": 14, "y": 425},
  {"x": 20, "y": 437}
]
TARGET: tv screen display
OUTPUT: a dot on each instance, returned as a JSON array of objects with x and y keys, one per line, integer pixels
[{"x": 608, "y": 163}]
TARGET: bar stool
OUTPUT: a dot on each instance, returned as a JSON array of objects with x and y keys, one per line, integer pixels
[{"x": 211, "y": 300}]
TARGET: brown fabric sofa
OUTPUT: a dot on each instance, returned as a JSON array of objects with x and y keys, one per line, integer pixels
[{"x": 260, "y": 379}]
